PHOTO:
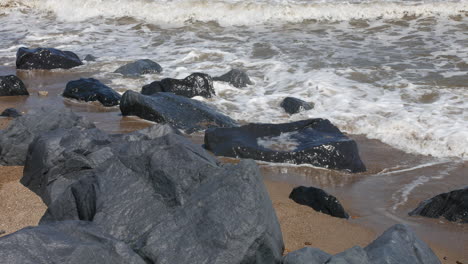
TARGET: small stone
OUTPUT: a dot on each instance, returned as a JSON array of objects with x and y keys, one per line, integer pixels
[
  {"x": 43, "y": 93},
  {"x": 2, "y": 232},
  {"x": 307, "y": 243}
]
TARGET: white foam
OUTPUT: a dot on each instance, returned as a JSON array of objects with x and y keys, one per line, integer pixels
[{"x": 283, "y": 142}]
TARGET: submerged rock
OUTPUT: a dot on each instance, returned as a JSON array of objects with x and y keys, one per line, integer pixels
[
  {"x": 71, "y": 242},
  {"x": 46, "y": 59},
  {"x": 90, "y": 57},
  {"x": 237, "y": 78},
  {"x": 11, "y": 85},
  {"x": 91, "y": 90},
  {"x": 10, "y": 112},
  {"x": 452, "y": 205},
  {"x": 314, "y": 141},
  {"x": 181, "y": 112},
  {"x": 139, "y": 67},
  {"x": 293, "y": 105},
  {"x": 196, "y": 84},
  {"x": 319, "y": 200}
]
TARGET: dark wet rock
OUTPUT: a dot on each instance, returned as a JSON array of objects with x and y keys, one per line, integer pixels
[
  {"x": 452, "y": 205},
  {"x": 71, "y": 242},
  {"x": 91, "y": 90},
  {"x": 139, "y": 67},
  {"x": 46, "y": 59},
  {"x": 237, "y": 78},
  {"x": 157, "y": 193},
  {"x": 319, "y": 200},
  {"x": 313, "y": 141},
  {"x": 14, "y": 141},
  {"x": 10, "y": 112},
  {"x": 293, "y": 105},
  {"x": 90, "y": 57},
  {"x": 11, "y": 85},
  {"x": 196, "y": 84},
  {"x": 181, "y": 112},
  {"x": 306, "y": 255}
]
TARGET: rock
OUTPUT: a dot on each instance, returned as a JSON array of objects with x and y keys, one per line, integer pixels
[
  {"x": 91, "y": 90},
  {"x": 354, "y": 255},
  {"x": 183, "y": 113},
  {"x": 14, "y": 141},
  {"x": 452, "y": 205},
  {"x": 10, "y": 112},
  {"x": 293, "y": 105},
  {"x": 237, "y": 78},
  {"x": 313, "y": 141},
  {"x": 90, "y": 57},
  {"x": 399, "y": 245},
  {"x": 139, "y": 67},
  {"x": 196, "y": 84},
  {"x": 11, "y": 85},
  {"x": 43, "y": 93},
  {"x": 46, "y": 59},
  {"x": 319, "y": 200},
  {"x": 71, "y": 242},
  {"x": 158, "y": 193},
  {"x": 306, "y": 255}
]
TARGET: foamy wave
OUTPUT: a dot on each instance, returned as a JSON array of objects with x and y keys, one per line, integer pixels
[{"x": 231, "y": 12}]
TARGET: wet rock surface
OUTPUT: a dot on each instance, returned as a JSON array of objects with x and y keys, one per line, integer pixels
[
  {"x": 91, "y": 90},
  {"x": 196, "y": 84},
  {"x": 294, "y": 105},
  {"x": 139, "y": 67},
  {"x": 10, "y": 85},
  {"x": 46, "y": 59},
  {"x": 236, "y": 77},
  {"x": 319, "y": 200},
  {"x": 10, "y": 112}
]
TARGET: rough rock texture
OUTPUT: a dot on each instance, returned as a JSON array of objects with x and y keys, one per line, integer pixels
[
  {"x": 452, "y": 205},
  {"x": 306, "y": 255},
  {"x": 14, "y": 141},
  {"x": 237, "y": 78},
  {"x": 313, "y": 141},
  {"x": 91, "y": 90},
  {"x": 10, "y": 112},
  {"x": 160, "y": 195},
  {"x": 90, "y": 57},
  {"x": 46, "y": 59},
  {"x": 139, "y": 67},
  {"x": 196, "y": 84},
  {"x": 354, "y": 255},
  {"x": 11, "y": 85},
  {"x": 183, "y": 113},
  {"x": 294, "y": 105},
  {"x": 319, "y": 200},
  {"x": 71, "y": 242}
]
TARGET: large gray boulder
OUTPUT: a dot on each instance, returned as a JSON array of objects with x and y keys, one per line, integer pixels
[
  {"x": 71, "y": 242},
  {"x": 306, "y": 255},
  {"x": 14, "y": 141}
]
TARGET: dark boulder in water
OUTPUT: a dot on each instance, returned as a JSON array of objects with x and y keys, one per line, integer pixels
[
  {"x": 10, "y": 112},
  {"x": 452, "y": 205},
  {"x": 293, "y": 105},
  {"x": 71, "y": 242},
  {"x": 46, "y": 59},
  {"x": 319, "y": 200},
  {"x": 196, "y": 84},
  {"x": 314, "y": 141},
  {"x": 139, "y": 67},
  {"x": 91, "y": 90},
  {"x": 90, "y": 57},
  {"x": 11, "y": 85},
  {"x": 237, "y": 78},
  {"x": 181, "y": 112}
]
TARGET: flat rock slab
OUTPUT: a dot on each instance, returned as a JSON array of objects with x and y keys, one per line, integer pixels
[
  {"x": 46, "y": 59},
  {"x": 91, "y": 90},
  {"x": 294, "y": 105},
  {"x": 181, "y": 112},
  {"x": 196, "y": 84},
  {"x": 314, "y": 141},
  {"x": 10, "y": 85},
  {"x": 453, "y": 206},
  {"x": 319, "y": 200},
  {"x": 139, "y": 67},
  {"x": 235, "y": 77}
]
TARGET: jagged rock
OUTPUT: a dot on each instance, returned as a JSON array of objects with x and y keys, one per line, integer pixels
[
  {"x": 196, "y": 84},
  {"x": 14, "y": 141},
  {"x": 313, "y": 141},
  {"x": 354, "y": 255},
  {"x": 71, "y": 242},
  {"x": 90, "y": 57},
  {"x": 237, "y": 78},
  {"x": 91, "y": 90},
  {"x": 183, "y": 113},
  {"x": 10, "y": 112},
  {"x": 139, "y": 67},
  {"x": 293, "y": 105},
  {"x": 306, "y": 255},
  {"x": 11, "y": 85},
  {"x": 319, "y": 200},
  {"x": 452, "y": 205},
  {"x": 46, "y": 59}
]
